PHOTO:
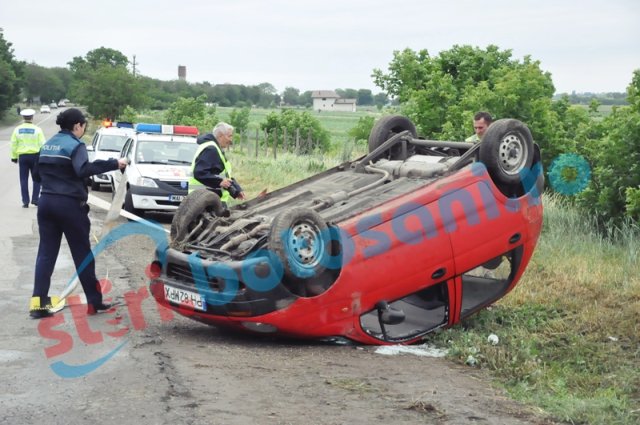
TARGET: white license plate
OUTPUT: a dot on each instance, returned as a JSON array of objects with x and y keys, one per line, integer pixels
[
  {"x": 185, "y": 298},
  {"x": 176, "y": 198}
]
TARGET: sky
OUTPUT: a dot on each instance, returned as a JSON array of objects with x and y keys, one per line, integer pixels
[{"x": 586, "y": 45}]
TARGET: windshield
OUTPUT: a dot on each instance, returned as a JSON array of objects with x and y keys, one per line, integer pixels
[
  {"x": 112, "y": 142},
  {"x": 174, "y": 152}
]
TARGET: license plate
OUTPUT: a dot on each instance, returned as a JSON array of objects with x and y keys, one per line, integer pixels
[
  {"x": 176, "y": 198},
  {"x": 185, "y": 298}
]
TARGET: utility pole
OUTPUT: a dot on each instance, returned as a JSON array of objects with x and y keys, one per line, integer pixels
[{"x": 133, "y": 65}]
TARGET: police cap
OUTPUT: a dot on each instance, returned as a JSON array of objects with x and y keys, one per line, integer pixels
[{"x": 27, "y": 112}]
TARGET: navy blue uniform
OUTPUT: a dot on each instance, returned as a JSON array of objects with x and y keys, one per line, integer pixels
[{"x": 62, "y": 168}]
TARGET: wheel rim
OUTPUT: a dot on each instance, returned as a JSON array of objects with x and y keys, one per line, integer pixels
[
  {"x": 513, "y": 154},
  {"x": 305, "y": 245}
]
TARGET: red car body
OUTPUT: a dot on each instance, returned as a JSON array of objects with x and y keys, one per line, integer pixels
[{"x": 396, "y": 261}]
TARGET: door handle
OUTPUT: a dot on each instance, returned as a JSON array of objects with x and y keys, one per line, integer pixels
[
  {"x": 515, "y": 238},
  {"x": 438, "y": 273}
]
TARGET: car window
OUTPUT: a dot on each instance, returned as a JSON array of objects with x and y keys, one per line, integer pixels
[
  {"x": 165, "y": 152},
  {"x": 112, "y": 142}
]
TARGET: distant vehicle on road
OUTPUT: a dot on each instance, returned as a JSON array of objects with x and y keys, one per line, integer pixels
[{"x": 44, "y": 109}]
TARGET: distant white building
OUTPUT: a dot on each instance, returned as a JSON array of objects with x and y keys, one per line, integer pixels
[{"x": 328, "y": 100}]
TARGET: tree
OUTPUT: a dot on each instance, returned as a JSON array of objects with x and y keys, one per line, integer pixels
[
  {"x": 45, "y": 83},
  {"x": 291, "y": 96},
  {"x": 441, "y": 94},
  {"x": 192, "y": 111},
  {"x": 307, "y": 124},
  {"x": 614, "y": 156},
  {"x": 102, "y": 82},
  {"x": 365, "y": 97},
  {"x": 11, "y": 76},
  {"x": 239, "y": 119}
]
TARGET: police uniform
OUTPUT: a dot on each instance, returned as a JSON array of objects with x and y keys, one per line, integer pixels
[
  {"x": 209, "y": 168},
  {"x": 26, "y": 140},
  {"x": 62, "y": 168}
]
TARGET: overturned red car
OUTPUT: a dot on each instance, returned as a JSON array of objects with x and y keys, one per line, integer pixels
[{"x": 415, "y": 236}]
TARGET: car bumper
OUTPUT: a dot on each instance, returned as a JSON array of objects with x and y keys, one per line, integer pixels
[{"x": 156, "y": 199}]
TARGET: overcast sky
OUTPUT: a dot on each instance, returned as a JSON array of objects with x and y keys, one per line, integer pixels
[{"x": 586, "y": 45}]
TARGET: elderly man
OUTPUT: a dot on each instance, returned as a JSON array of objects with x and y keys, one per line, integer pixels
[
  {"x": 26, "y": 141},
  {"x": 210, "y": 166},
  {"x": 481, "y": 121}
]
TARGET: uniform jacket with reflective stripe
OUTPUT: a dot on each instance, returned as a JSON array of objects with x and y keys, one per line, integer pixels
[
  {"x": 64, "y": 164},
  {"x": 26, "y": 138},
  {"x": 209, "y": 167}
]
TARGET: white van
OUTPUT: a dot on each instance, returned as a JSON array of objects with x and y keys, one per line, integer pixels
[{"x": 159, "y": 167}]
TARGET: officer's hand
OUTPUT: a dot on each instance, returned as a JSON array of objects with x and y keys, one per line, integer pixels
[
  {"x": 225, "y": 183},
  {"x": 242, "y": 196},
  {"x": 14, "y": 160},
  {"x": 122, "y": 163}
]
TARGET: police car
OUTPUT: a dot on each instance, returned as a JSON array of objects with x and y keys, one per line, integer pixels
[
  {"x": 159, "y": 167},
  {"x": 107, "y": 143}
]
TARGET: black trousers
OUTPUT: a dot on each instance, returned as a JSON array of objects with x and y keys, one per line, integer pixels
[
  {"x": 27, "y": 162},
  {"x": 62, "y": 215}
]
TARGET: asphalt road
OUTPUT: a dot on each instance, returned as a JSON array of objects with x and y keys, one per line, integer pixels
[{"x": 143, "y": 365}]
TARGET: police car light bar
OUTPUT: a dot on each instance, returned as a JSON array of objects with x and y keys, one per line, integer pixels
[{"x": 182, "y": 130}]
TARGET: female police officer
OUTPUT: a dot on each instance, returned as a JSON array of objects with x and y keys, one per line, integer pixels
[{"x": 62, "y": 168}]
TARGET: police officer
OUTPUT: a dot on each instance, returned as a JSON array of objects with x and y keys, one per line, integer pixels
[
  {"x": 26, "y": 140},
  {"x": 210, "y": 167},
  {"x": 62, "y": 168}
]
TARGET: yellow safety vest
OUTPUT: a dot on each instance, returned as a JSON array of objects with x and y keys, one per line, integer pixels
[
  {"x": 472, "y": 139},
  {"x": 195, "y": 184},
  {"x": 26, "y": 138}
]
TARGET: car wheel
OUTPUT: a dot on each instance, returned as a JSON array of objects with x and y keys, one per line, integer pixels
[
  {"x": 300, "y": 238},
  {"x": 385, "y": 128},
  {"x": 507, "y": 150},
  {"x": 128, "y": 205},
  {"x": 191, "y": 208},
  {"x": 95, "y": 186}
]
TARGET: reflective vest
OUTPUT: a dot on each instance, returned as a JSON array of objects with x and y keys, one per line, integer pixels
[
  {"x": 26, "y": 138},
  {"x": 472, "y": 139},
  {"x": 195, "y": 184}
]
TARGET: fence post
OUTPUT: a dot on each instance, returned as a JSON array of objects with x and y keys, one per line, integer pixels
[
  {"x": 309, "y": 141},
  {"x": 275, "y": 142},
  {"x": 284, "y": 140},
  {"x": 297, "y": 141},
  {"x": 257, "y": 140},
  {"x": 266, "y": 143}
]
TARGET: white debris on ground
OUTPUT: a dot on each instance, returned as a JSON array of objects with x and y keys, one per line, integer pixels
[
  {"x": 424, "y": 350},
  {"x": 493, "y": 339}
]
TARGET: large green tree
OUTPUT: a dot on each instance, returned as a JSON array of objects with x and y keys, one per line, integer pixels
[
  {"x": 102, "y": 82},
  {"x": 442, "y": 93},
  {"x": 46, "y": 84},
  {"x": 11, "y": 76}
]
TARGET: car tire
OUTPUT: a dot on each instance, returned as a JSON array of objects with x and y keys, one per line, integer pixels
[
  {"x": 194, "y": 205},
  {"x": 385, "y": 128},
  {"x": 128, "y": 205},
  {"x": 300, "y": 238},
  {"x": 507, "y": 150}
]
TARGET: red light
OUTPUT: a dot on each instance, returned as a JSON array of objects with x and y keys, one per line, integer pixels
[
  {"x": 186, "y": 130},
  {"x": 107, "y": 123}
]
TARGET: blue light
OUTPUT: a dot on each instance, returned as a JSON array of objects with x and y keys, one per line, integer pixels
[{"x": 149, "y": 128}]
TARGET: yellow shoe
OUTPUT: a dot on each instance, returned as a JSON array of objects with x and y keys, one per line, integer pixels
[{"x": 40, "y": 307}]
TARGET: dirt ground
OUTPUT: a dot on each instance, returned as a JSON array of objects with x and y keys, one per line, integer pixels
[{"x": 215, "y": 376}]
